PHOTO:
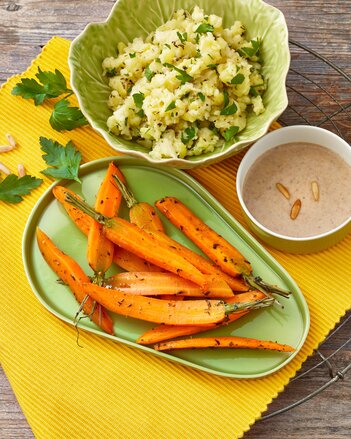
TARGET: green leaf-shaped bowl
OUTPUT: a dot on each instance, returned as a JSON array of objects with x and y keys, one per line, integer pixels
[{"x": 137, "y": 18}]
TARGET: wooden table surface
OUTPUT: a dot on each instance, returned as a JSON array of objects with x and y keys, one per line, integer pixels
[{"x": 26, "y": 25}]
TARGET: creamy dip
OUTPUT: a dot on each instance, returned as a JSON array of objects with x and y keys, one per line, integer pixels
[{"x": 296, "y": 166}]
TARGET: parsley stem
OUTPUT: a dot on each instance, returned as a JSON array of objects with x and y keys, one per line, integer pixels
[
  {"x": 69, "y": 94},
  {"x": 85, "y": 208}
]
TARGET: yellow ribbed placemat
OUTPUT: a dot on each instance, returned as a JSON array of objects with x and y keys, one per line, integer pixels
[{"x": 105, "y": 389}]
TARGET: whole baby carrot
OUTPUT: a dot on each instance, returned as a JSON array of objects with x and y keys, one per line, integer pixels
[
  {"x": 73, "y": 276},
  {"x": 100, "y": 249}
]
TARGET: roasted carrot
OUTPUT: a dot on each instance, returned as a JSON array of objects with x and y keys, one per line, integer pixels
[
  {"x": 213, "y": 245},
  {"x": 166, "y": 332},
  {"x": 72, "y": 275},
  {"x": 80, "y": 219},
  {"x": 140, "y": 213},
  {"x": 124, "y": 259},
  {"x": 135, "y": 240},
  {"x": 100, "y": 249},
  {"x": 175, "y": 312},
  {"x": 155, "y": 284},
  {"x": 131, "y": 262},
  {"x": 223, "y": 342},
  {"x": 170, "y": 297},
  {"x": 145, "y": 217},
  {"x": 236, "y": 284}
]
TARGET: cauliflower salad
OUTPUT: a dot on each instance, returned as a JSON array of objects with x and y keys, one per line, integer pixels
[{"x": 187, "y": 88}]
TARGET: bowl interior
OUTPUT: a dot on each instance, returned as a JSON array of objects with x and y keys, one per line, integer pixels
[
  {"x": 282, "y": 136},
  {"x": 137, "y": 18}
]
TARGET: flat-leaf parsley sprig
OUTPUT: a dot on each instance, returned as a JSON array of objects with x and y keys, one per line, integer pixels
[
  {"x": 12, "y": 188},
  {"x": 64, "y": 161},
  {"x": 52, "y": 85}
]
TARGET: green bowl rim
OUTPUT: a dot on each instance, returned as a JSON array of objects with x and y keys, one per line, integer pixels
[{"x": 235, "y": 147}]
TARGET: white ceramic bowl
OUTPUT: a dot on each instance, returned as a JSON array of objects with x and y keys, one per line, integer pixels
[{"x": 298, "y": 133}]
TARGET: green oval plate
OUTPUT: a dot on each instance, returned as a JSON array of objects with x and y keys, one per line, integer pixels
[{"x": 149, "y": 183}]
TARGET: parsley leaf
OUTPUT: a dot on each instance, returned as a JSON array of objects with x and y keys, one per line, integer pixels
[
  {"x": 138, "y": 99},
  {"x": 140, "y": 113},
  {"x": 65, "y": 117},
  {"x": 201, "y": 96},
  {"x": 251, "y": 51},
  {"x": 253, "y": 91},
  {"x": 212, "y": 66},
  {"x": 12, "y": 188},
  {"x": 132, "y": 55},
  {"x": 111, "y": 73},
  {"x": 51, "y": 85},
  {"x": 183, "y": 37},
  {"x": 188, "y": 134},
  {"x": 204, "y": 27},
  {"x": 65, "y": 160},
  {"x": 238, "y": 79},
  {"x": 230, "y": 133},
  {"x": 231, "y": 109},
  {"x": 183, "y": 77},
  {"x": 149, "y": 73},
  {"x": 226, "y": 98},
  {"x": 171, "y": 106}
]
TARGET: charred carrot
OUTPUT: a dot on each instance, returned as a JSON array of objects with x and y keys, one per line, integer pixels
[
  {"x": 100, "y": 249},
  {"x": 145, "y": 217},
  {"x": 155, "y": 284},
  {"x": 135, "y": 240},
  {"x": 72, "y": 275},
  {"x": 166, "y": 332},
  {"x": 140, "y": 213},
  {"x": 175, "y": 312},
  {"x": 124, "y": 259},
  {"x": 213, "y": 245},
  {"x": 223, "y": 342}
]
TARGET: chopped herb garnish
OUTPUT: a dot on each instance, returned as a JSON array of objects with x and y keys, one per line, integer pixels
[
  {"x": 188, "y": 134},
  {"x": 251, "y": 51},
  {"x": 226, "y": 98},
  {"x": 198, "y": 54},
  {"x": 171, "y": 106},
  {"x": 183, "y": 76},
  {"x": 167, "y": 45},
  {"x": 238, "y": 79},
  {"x": 110, "y": 73},
  {"x": 253, "y": 91},
  {"x": 129, "y": 89},
  {"x": 140, "y": 113},
  {"x": 201, "y": 96},
  {"x": 183, "y": 37},
  {"x": 204, "y": 28},
  {"x": 213, "y": 128},
  {"x": 149, "y": 73},
  {"x": 138, "y": 99},
  {"x": 212, "y": 66},
  {"x": 230, "y": 133},
  {"x": 228, "y": 111},
  {"x": 197, "y": 38},
  {"x": 132, "y": 55},
  {"x": 158, "y": 60}
]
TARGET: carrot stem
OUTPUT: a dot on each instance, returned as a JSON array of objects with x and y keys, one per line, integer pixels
[{"x": 126, "y": 193}]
